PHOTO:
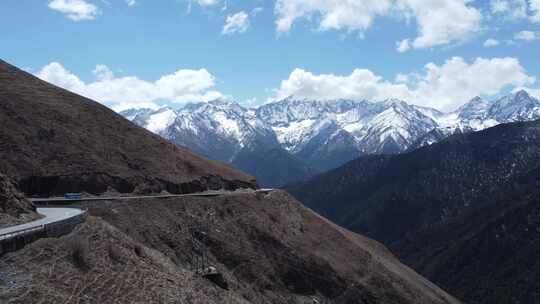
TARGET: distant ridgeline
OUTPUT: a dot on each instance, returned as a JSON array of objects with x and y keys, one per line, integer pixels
[{"x": 291, "y": 140}]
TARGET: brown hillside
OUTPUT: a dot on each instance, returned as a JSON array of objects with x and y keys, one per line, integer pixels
[
  {"x": 14, "y": 207},
  {"x": 269, "y": 248},
  {"x": 53, "y": 141}
]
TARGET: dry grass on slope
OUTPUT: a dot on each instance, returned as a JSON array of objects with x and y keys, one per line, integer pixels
[
  {"x": 269, "y": 248},
  {"x": 275, "y": 247},
  {"x": 53, "y": 141},
  {"x": 98, "y": 264},
  {"x": 14, "y": 207}
]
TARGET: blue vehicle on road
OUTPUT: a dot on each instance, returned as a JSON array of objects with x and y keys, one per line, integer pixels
[{"x": 73, "y": 196}]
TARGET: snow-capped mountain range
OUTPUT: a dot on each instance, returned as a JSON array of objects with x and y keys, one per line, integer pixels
[{"x": 323, "y": 134}]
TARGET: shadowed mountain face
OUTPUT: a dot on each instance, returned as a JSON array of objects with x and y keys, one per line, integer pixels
[
  {"x": 53, "y": 141},
  {"x": 489, "y": 254},
  {"x": 463, "y": 212},
  {"x": 273, "y": 167}
]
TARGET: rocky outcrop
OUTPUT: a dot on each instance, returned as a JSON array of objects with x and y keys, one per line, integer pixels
[{"x": 14, "y": 207}]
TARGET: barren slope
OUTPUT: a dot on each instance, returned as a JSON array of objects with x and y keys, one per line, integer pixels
[
  {"x": 98, "y": 264},
  {"x": 53, "y": 141},
  {"x": 272, "y": 250},
  {"x": 14, "y": 207}
]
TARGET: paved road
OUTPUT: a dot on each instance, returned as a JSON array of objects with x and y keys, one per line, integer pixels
[
  {"x": 116, "y": 198},
  {"x": 57, "y": 214},
  {"x": 50, "y": 215}
]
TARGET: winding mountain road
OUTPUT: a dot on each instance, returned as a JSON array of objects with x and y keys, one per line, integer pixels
[
  {"x": 117, "y": 198},
  {"x": 50, "y": 215},
  {"x": 55, "y": 214}
]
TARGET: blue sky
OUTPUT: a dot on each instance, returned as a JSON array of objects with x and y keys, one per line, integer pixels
[{"x": 138, "y": 53}]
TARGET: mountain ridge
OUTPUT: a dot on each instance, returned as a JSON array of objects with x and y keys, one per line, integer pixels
[
  {"x": 323, "y": 135},
  {"x": 455, "y": 211}
]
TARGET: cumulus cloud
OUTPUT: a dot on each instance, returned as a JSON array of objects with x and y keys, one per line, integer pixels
[
  {"x": 351, "y": 15},
  {"x": 491, "y": 42},
  {"x": 456, "y": 81},
  {"x": 446, "y": 86},
  {"x": 534, "y": 6},
  {"x": 499, "y": 6},
  {"x": 441, "y": 22},
  {"x": 525, "y": 36},
  {"x": 121, "y": 93},
  {"x": 513, "y": 9},
  {"x": 360, "y": 84},
  {"x": 403, "y": 45},
  {"x": 207, "y": 2},
  {"x": 236, "y": 24},
  {"x": 256, "y": 11},
  {"x": 56, "y": 74},
  {"x": 76, "y": 10},
  {"x": 517, "y": 9},
  {"x": 250, "y": 102},
  {"x": 102, "y": 72}
]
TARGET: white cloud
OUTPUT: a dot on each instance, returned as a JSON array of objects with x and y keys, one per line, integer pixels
[
  {"x": 102, "y": 72},
  {"x": 131, "y": 2},
  {"x": 207, "y": 2},
  {"x": 121, "y": 93},
  {"x": 403, "y": 45},
  {"x": 360, "y": 84},
  {"x": 450, "y": 85},
  {"x": 56, "y": 74},
  {"x": 402, "y": 78},
  {"x": 533, "y": 92},
  {"x": 236, "y": 24},
  {"x": 491, "y": 42},
  {"x": 250, "y": 102},
  {"x": 441, "y": 22},
  {"x": 445, "y": 86},
  {"x": 517, "y": 9},
  {"x": 513, "y": 9},
  {"x": 534, "y": 6},
  {"x": 499, "y": 6},
  {"x": 76, "y": 10},
  {"x": 352, "y": 15},
  {"x": 256, "y": 11},
  {"x": 526, "y": 36}
]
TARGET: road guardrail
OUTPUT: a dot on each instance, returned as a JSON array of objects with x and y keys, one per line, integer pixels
[{"x": 15, "y": 240}]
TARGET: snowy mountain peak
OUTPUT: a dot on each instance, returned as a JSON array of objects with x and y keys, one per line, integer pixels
[
  {"x": 395, "y": 102},
  {"x": 521, "y": 95},
  {"x": 316, "y": 131},
  {"x": 474, "y": 109},
  {"x": 519, "y": 106},
  {"x": 223, "y": 102}
]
